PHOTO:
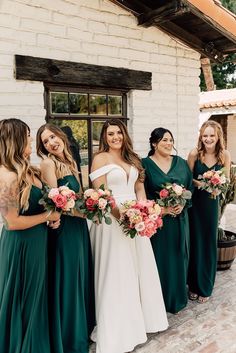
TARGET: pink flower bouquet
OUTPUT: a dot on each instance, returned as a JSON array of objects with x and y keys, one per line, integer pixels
[
  {"x": 173, "y": 194},
  {"x": 61, "y": 199},
  {"x": 214, "y": 182},
  {"x": 141, "y": 218},
  {"x": 96, "y": 204}
]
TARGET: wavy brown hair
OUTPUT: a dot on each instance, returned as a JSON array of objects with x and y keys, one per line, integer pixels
[
  {"x": 220, "y": 145},
  {"x": 63, "y": 166},
  {"x": 127, "y": 151},
  {"x": 13, "y": 142}
]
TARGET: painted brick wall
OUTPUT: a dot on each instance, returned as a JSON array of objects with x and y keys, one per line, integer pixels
[{"x": 99, "y": 32}]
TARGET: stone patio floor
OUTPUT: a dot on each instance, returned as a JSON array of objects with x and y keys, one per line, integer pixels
[{"x": 202, "y": 328}]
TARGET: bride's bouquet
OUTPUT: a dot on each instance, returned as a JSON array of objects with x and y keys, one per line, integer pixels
[
  {"x": 214, "y": 182},
  {"x": 61, "y": 199},
  {"x": 173, "y": 194},
  {"x": 96, "y": 204},
  {"x": 141, "y": 218}
]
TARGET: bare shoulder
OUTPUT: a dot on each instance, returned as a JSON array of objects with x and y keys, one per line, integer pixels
[
  {"x": 7, "y": 177},
  {"x": 47, "y": 163},
  {"x": 193, "y": 154},
  {"x": 100, "y": 160},
  {"x": 227, "y": 155}
]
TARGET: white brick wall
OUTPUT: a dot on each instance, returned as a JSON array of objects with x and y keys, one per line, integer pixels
[{"x": 99, "y": 32}]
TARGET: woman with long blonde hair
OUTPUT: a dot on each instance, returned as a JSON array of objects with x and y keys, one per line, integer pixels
[
  {"x": 71, "y": 291},
  {"x": 210, "y": 154},
  {"x": 128, "y": 294},
  {"x": 23, "y": 246}
]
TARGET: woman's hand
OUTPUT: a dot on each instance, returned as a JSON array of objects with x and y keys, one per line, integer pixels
[
  {"x": 168, "y": 211},
  {"x": 55, "y": 224},
  {"x": 52, "y": 216},
  {"x": 178, "y": 209}
]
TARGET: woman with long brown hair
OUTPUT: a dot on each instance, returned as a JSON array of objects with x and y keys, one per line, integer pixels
[
  {"x": 71, "y": 292},
  {"x": 128, "y": 294},
  {"x": 23, "y": 246},
  {"x": 210, "y": 154}
]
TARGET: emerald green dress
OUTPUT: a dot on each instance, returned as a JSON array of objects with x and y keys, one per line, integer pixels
[
  {"x": 171, "y": 243},
  {"x": 71, "y": 290},
  {"x": 203, "y": 217},
  {"x": 23, "y": 286}
]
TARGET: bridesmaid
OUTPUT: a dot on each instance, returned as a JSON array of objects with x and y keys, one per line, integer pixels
[
  {"x": 210, "y": 154},
  {"x": 171, "y": 243},
  {"x": 23, "y": 244},
  {"x": 71, "y": 292}
]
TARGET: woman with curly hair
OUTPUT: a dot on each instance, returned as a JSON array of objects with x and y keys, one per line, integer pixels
[
  {"x": 210, "y": 154},
  {"x": 71, "y": 291},
  {"x": 128, "y": 294},
  {"x": 23, "y": 246}
]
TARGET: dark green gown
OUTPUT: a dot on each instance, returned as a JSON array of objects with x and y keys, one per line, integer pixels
[
  {"x": 71, "y": 290},
  {"x": 171, "y": 243},
  {"x": 203, "y": 217},
  {"x": 23, "y": 286}
]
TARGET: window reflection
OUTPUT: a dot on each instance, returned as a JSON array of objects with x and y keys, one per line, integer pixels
[
  {"x": 59, "y": 103},
  {"x": 97, "y": 105},
  {"x": 114, "y": 105}
]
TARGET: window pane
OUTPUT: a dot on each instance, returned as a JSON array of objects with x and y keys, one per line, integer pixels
[
  {"x": 59, "y": 103},
  {"x": 96, "y": 131},
  {"x": 97, "y": 104},
  {"x": 78, "y": 103},
  {"x": 114, "y": 105}
]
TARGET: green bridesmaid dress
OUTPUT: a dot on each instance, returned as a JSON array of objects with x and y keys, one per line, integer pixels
[
  {"x": 171, "y": 243},
  {"x": 23, "y": 286},
  {"x": 71, "y": 290},
  {"x": 203, "y": 218}
]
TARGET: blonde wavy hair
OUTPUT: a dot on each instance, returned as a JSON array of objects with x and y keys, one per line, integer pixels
[
  {"x": 220, "y": 145},
  {"x": 64, "y": 166},
  {"x": 127, "y": 151},
  {"x": 13, "y": 141}
]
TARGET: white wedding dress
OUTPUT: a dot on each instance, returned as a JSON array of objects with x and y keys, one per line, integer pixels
[{"x": 128, "y": 293}]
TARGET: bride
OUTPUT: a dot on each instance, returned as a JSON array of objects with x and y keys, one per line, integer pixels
[{"x": 128, "y": 294}]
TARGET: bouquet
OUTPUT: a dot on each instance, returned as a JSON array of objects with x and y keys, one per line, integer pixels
[
  {"x": 214, "y": 182},
  {"x": 141, "y": 218},
  {"x": 96, "y": 204},
  {"x": 173, "y": 194},
  {"x": 61, "y": 199}
]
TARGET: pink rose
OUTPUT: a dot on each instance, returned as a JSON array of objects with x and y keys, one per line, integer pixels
[
  {"x": 164, "y": 193},
  {"x": 53, "y": 192},
  {"x": 150, "y": 228},
  {"x": 112, "y": 201},
  {"x": 69, "y": 205},
  {"x": 215, "y": 180},
  {"x": 60, "y": 201},
  {"x": 90, "y": 204}
]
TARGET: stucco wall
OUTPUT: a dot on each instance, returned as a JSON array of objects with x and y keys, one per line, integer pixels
[{"x": 99, "y": 32}]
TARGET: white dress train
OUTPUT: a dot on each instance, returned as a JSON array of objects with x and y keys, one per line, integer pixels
[{"x": 128, "y": 293}]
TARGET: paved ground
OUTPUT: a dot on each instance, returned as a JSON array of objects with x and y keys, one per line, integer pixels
[{"x": 202, "y": 328}]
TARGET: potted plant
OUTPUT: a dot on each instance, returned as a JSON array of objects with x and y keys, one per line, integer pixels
[{"x": 226, "y": 239}]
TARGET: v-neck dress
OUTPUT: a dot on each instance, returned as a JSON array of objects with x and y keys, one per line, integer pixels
[
  {"x": 71, "y": 290},
  {"x": 23, "y": 286},
  {"x": 203, "y": 218},
  {"x": 171, "y": 243},
  {"x": 128, "y": 294}
]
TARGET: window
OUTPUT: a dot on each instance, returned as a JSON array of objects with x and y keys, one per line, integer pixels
[{"x": 84, "y": 111}]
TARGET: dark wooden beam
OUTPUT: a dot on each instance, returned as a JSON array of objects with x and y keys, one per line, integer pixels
[
  {"x": 135, "y": 6},
  {"x": 206, "y": 49},
  {"x": 67, "y": 72},
  {"x": 163, "y": 14}
]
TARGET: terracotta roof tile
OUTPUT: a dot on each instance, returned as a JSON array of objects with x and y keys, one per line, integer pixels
[{"x": 218, "y": 104}]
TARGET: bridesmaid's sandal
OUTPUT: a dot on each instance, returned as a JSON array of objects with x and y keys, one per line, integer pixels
[
  {"x": 193, "y": 296},
  {"x": 202, "y": 300}
]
